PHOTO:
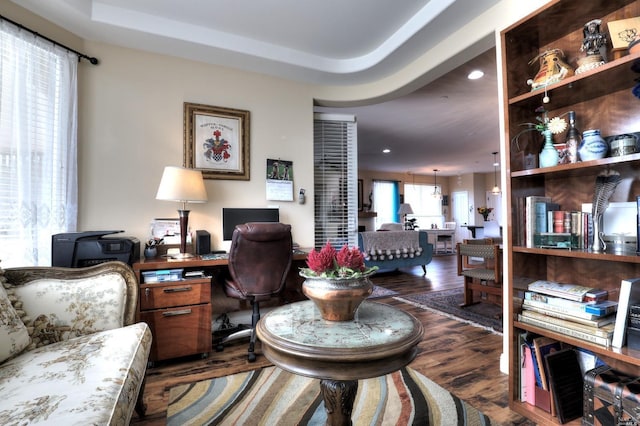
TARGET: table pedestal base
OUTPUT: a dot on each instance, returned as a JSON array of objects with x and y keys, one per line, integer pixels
[{"x": 338, "y": 396}]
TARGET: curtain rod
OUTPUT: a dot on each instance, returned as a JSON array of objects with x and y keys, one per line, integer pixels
[{"x": 91, "y": 59}]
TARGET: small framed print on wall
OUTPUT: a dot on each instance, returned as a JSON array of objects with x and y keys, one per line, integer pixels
[{"x": 216, "y": 141}]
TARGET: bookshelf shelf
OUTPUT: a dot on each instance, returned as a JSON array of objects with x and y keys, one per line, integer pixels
[
  {"x": 582, "y": 168},
  {"x": 601, "y": 99},
  {"x": 623, "y": 354},
  {"x": 582, "y": 87},
  {"x": 625, "y": 257}
]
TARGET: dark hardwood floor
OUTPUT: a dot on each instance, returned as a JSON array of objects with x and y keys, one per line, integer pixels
[{"x": 461, "y": 358}]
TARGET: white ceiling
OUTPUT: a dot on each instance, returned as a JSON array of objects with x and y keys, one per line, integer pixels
[{"x": 451, "y": 124}]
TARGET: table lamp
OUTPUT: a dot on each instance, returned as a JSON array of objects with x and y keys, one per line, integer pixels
[
  {"x": 185, "y": 186},
  {"x": 403, "y": 211}
]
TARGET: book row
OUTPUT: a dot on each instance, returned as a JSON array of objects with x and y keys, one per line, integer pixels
[
  {"x": 552, "y": 375},
  {"x": 543, "y": 223}
]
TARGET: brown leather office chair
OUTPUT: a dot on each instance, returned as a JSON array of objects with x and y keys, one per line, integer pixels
[{"x": 259, "y": 261}]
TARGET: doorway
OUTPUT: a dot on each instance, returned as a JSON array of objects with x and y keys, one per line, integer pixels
[{"x": 460, "y": 212}]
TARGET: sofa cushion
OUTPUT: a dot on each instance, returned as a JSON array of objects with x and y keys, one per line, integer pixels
[
  {"x": 89, "y": 380},
  {"x": 14, "y": 337},
  {"x": 391, "y": 226},
  {"x": 76, "y": 307}
]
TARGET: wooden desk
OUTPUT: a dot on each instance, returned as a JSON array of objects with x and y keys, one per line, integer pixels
[
  {"x": 179, "y": 311},
  {"x": 380, "y": 340},
  {"x": 197, "y": 262}
]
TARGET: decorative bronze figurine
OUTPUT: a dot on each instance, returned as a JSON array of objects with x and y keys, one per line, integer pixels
[{"x": 595, "y": 46}]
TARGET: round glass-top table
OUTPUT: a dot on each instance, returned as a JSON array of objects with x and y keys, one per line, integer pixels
[{"x": 379, "y": 340}]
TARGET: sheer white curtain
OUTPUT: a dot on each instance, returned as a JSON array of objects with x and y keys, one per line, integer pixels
[
  {"x": 426, "y": 208},
  {"x": 38, "y": 146}
]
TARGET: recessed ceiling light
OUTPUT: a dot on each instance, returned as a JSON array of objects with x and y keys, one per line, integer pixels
[
  {"x": 474, "y": 75},
  {"x": 386, "y": 151}
]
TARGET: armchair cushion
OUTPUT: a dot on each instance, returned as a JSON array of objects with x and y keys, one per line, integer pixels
[
  {"x": 14, "y": 336},
  {"x": 91, "y": 380},
  {"x": 59, "y": 309}
]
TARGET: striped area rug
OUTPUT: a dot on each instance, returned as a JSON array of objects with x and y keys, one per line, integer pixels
[{"x": 271, "y": 396}]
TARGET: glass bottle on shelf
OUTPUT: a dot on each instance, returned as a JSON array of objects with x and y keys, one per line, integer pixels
[{"x": 573, "y": 139}]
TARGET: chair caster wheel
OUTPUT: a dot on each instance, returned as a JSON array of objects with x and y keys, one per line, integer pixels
[
  {"x": 252, "y": 357},
  {"x": 219, "y": 348}
]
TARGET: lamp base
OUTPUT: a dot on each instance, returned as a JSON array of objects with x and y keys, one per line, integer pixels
[{"x": 182, "y": 256}]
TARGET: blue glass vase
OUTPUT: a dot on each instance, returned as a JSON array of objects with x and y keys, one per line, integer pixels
[{"x": 549, "y": 155}]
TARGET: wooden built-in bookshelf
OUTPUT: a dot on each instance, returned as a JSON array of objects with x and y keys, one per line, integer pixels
[{"x": 602, "y": 99}]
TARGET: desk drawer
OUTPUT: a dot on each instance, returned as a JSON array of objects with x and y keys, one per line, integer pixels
[
  {"x": 179, "y": 293},
  {"x": 179, "y": 331}
]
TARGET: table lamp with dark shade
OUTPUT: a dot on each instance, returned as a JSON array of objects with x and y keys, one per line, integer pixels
[{"x": 185, "y": 186}]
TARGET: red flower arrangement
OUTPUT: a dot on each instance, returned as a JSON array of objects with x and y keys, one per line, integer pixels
[{"x": 329, "y": 263}]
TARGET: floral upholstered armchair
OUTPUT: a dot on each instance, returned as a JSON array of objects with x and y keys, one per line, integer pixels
[{"x": 70, "y": 349}]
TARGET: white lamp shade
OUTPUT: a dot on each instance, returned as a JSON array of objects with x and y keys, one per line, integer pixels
[
  {"x": 405, "y": 208},
  {"x": 182, "y": 184}
]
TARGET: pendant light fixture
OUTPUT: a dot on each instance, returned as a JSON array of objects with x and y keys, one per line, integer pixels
[
  {"x": 436, "y": 191},
  {"x": 496, "y": 188}
]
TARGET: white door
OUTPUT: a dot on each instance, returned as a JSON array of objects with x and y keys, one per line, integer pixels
[
  {"x": 495, "y": 201},
  {"x": 460, "y": 213}
]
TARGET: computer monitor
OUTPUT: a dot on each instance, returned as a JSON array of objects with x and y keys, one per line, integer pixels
[{"x": 237, "y": 216}]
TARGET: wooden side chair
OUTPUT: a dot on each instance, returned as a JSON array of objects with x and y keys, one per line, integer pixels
[{"x": 484, "y": 278}]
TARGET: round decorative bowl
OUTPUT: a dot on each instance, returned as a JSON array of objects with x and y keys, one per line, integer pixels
[
  {"x": 623, "y": 145},
  {"x": 337, "y": 299}
]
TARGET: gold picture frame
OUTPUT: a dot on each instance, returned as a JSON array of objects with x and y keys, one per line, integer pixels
[{"x": 216, "y": 141}]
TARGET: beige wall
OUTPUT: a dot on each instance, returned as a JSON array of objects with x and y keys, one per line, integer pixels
[{"x": 131, "y": 125}]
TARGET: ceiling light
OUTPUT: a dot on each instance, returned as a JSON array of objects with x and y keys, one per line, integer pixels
[
  {"x": 436, "y": 191},
  {"x": 475, "y": 74},
  {"x": 386, "y": 151},
  {"x": 496, "y": 188}
]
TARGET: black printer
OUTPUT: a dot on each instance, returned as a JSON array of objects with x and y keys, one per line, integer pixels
[{"x": 80, "y": 249}]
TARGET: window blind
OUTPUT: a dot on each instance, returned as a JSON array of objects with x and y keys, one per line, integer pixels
[{"x": 335, "y": 180}]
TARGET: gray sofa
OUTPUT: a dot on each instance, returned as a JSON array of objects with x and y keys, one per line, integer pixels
[
  {"x": 72, "y": 352},
  {"x": 390, "y": 250}
]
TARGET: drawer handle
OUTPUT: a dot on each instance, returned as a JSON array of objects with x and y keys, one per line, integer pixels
[
  {"x": 176, "y": 313},
  {"x": 177, "y": 289}
]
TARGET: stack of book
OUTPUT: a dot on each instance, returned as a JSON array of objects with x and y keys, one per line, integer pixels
[
  {"x": 573, "y": 310},
  {"x": 162, "y": 275}
]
